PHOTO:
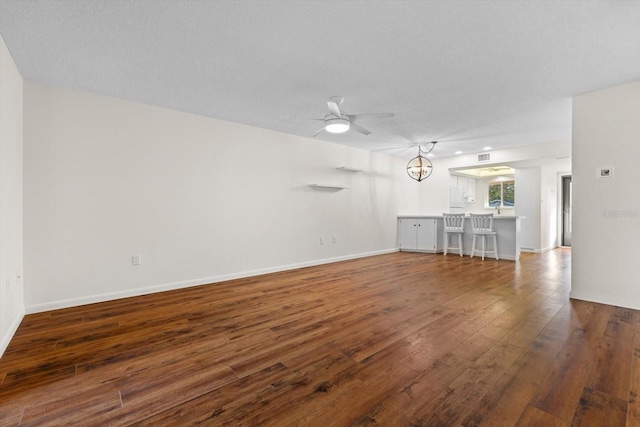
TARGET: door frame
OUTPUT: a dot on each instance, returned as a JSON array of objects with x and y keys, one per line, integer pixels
[
  {"x": 560, "y": 225},
  {"x": 561, "y": 210}
]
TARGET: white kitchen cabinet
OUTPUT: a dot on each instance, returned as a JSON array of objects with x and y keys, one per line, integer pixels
[
  {"x": 461, "y": 191},
  {"x": 463, "y": 184},
  {"x": 470, "y": 193},
  {"x": 420, "y": 234},
  {"x": 456, "y": 198}
]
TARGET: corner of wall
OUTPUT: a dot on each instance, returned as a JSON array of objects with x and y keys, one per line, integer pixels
[
  {"x": 11, "y": 198},
  {"x": 10, "y": 331}
]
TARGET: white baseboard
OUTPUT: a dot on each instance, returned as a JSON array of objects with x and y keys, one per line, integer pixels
[
  {"x": 6, "y": 338},
  {"x": 538, "y": 251},
  {"x": 91, "y": 299},
  {"x": 617, "y": 301},
  {"x": 464, "y": 253}
]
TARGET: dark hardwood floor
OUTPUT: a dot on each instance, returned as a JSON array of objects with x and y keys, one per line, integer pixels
[{"x": 403, "y": 339}]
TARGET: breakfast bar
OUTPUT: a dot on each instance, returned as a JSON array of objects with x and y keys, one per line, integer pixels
[{"x": 425, "y": 233}]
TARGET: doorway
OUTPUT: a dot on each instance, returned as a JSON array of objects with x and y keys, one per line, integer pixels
[{"x": 566, "y": 211}]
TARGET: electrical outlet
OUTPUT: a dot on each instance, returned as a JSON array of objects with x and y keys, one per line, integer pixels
[
  {"x": 335, "y": 239},
  {"x": 136, "y": 260},
  {"x": 322, "y": 240}
]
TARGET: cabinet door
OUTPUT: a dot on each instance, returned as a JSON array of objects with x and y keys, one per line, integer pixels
[
  {"x": 427, "y": 234},
  {"x": 456, "y": 199},
  {"x": 463, "y": 185},
  {"x": 471, "y": 187},
  {"x": 408, "y": 233}
]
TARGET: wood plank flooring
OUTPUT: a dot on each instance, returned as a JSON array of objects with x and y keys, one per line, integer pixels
[{"x": 403, "y": 339}]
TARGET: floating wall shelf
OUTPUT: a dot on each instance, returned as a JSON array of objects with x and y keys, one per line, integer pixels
[
  {"x": 346, "y": 169},
  {"x": 327, "y": 187}
]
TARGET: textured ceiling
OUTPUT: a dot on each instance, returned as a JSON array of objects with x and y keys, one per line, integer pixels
[{"x": 465, "y": 73}]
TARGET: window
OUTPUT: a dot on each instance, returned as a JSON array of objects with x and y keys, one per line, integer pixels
[{"x": 501, "y": 194}]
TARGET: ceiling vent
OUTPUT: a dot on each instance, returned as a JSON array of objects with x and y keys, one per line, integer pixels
[{"x": 484, "y": 157}]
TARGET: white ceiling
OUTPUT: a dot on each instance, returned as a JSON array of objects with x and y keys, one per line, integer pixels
[{"x": 466, "y": 73}]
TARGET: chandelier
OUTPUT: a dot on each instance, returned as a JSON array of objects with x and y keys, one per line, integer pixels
[{"x": 420, "y": 167}]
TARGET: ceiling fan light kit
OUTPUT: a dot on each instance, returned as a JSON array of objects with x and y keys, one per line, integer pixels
[
  {"x": 420, "y": 168},
  {"x": 336, "y": 124}
]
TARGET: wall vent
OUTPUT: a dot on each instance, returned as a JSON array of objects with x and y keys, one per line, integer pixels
[{"x": 484, "y": 157}]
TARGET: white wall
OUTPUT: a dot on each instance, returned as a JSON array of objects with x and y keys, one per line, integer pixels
[
  {"x": 11, "y": 264},
  {"x": 201, "y": 200},
  {"x": 606, "y": 212},
  {"x": 550, "y": 206},
  {"x": 527, "y": 202},
  {"x": 433, "y": 193}
]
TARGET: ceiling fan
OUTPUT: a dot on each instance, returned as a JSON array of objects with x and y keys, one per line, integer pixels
[{"x": 337, "y": 121}]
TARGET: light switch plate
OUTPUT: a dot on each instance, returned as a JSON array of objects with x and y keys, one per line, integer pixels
[{"x": 605, "y": 172}]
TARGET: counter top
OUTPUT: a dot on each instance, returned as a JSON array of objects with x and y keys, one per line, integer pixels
[{"x": 466, "y": 215}]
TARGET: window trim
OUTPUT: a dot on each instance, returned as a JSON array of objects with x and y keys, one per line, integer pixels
[{"x": 501, "y": 182}]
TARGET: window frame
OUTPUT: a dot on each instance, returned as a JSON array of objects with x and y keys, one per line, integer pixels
[{"x": 502, "y": 183}]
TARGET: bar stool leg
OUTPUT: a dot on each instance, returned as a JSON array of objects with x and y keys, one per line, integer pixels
[
  {"x": 446, "y": 242},
  {"x": 473, "y": 246}
]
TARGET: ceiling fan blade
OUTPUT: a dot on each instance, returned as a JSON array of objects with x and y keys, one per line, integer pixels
[
  {"x": 333, "y": 108},
  {"x": 360, "y": 129},
  {"x": 317, "y": 132},
  {"x": 355, "y": 116}
]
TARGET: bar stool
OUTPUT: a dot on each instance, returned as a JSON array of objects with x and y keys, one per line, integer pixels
[
  {"x": 453, "y": 224},
  {"x": 482, "y": 225}
]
